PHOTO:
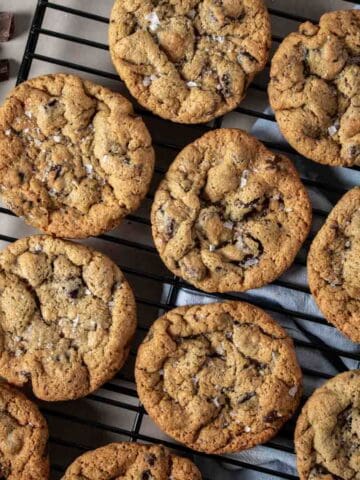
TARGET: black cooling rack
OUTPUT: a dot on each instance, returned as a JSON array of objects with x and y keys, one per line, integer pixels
[{"x": 114, "y": 412}]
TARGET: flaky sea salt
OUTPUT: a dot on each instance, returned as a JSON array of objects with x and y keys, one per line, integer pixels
[
  {"x": 37, "y": 248},
  {"x": 333, "y": 129},
  {"x": 293, "y": 391},
  {"x": 212, "y": 248},
  {"x": 195, "y": 380},
  {"x": 57, "y": 138},
  {"x": 89, "y": 168},
  {"x": 154, "y": 21},
  {"x": 191, "y": 84},
  {"x": 247, "y": 429},
  {"x": 26, "y": 130},
  {"x": 87, "y": 291},
  {"x": 75, "y": 321},
  {"x": 8, "y": 132},
  {"x": 218, "y": 38},
  {"x": 147, "y": 81},
  {"x": 28, "y": 114},
  {"x": 251, "y": 262},
  {"x": 244, "y": 178},
  {"x": 229, "y": 225},
  {"x": 215, "y": 401}
]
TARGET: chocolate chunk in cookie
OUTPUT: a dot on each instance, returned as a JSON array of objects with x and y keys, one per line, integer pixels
[
  {"x": 130, "y": 461},
  {"x": 219, "y": 378},
  {"x": 230, "y": 215},
  {"x": 327, "y": 436},
  {"x": 189, "y": 61},
  {"x": 23, "y": 437},
  {"x": 334, "y": 266},
  {"x": 74, "y": 159},
  {"x": 315, "y": 88},
  {"x": 67, "y": 316}
]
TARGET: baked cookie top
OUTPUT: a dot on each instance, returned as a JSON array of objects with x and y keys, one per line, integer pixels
[
  {"x": 219, "y": 378},
  {"x": 74, "y": 159},
  {"x": 67, "y": 317},
  {"x": 334, "y": 266},
  {"x": 315, "y": 88},
  {"x": 23, "y": 437},
  {"x": 230, "y": 215},
  {"x": 189, "y": 61},
  {"x": 327, "y": 436},
  {"x": 130, "y": 461}
]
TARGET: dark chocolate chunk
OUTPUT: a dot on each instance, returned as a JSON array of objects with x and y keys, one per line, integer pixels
[
  {"x": 7, "y": 26},
  {"x": 151, "y": 459},
  {"x": 4, "y": 70},
  {"x": 74, "y": 293},
  {"x": 146, "y": 475},
  {"x": 271, "y": 416}
]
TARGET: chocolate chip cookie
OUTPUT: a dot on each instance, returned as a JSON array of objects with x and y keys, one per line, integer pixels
[
  {"x": 315, "y": 88},
  {"x": 230, "y": 215},
  {"x": 189, "y": 61},
  {"x": 219, "y": 378},
  {"x": 334, "y": 266},
  {"x": 130, "y": 461},
  {"x": 23, "y": 437},
  {"x": 67, "y": 316},
  {"x": 74, "y": 159},
  {"x": 327, "y": 436}
]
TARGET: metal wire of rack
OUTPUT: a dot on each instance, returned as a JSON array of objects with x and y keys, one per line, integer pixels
[{"x": 79, "y": 426}]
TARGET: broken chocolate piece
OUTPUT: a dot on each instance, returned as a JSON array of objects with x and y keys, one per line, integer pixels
[{"x": 7, "y": 26}]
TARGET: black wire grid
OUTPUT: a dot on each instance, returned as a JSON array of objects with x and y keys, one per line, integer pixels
[{"x": 120, "y": 395}]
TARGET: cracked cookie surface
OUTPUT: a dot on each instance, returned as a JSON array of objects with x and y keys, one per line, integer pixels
[
  {"x": 327, "y": 435},
  {"x": 74, "y": 159},
  {"x": 189, "y": 61},
  {"x": 315, "y": 88},
  {"x": 230, "y": 215},
  {"x": 334, "y": 266},
  {"x": 219, "y": 378},
  {"x": 67, "y": 316},
  {"x": 23, "y": 437},
  {"x": 130, "y": 461}
]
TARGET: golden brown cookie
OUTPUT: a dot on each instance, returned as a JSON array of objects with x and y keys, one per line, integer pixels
[
  {"x": 189, "y": 61},
  {"x": 67, "y": 316},
  {"x": 131, "y": 461},
  {"x": 23, "y": 437},
  {"x": 315, "y": 88},
  {"x": 74, "y": 159},
  {"x": 327, "y": 436},
  {"x": 219, "y": 378},
  {"x": 334, "y": 266},
  {"x": 230, "y": 215}
]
